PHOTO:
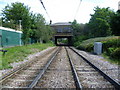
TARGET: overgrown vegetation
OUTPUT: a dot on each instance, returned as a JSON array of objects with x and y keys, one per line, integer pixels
[
  {"x": 115, "y": 23},
  {"x": 18, "y": 53}
]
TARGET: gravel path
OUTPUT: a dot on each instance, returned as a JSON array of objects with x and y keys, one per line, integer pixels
[
  {"x": 112, "y": 70},
  {"x": 59, "y": 74}
]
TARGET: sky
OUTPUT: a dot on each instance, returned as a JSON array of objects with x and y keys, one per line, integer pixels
[{"x": 64, "y": 10}]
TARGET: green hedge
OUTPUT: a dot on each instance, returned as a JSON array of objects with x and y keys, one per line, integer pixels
[
  {"x": 87, "y": 47},
  {"x": 111, "y": 45},
  {"x": 116, "y": 54}
]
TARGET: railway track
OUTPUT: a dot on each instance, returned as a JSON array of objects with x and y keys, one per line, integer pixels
[
  {"x": 53, "y": 73},
  {"x": 60, "y": 68},
  {"x": 89, "y": 75},
  {"x": 58, "y": 74},
  {"x": 23, "y": 76}
]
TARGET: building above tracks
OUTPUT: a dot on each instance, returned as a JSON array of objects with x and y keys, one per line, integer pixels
[{"x": 63, "y": 31}]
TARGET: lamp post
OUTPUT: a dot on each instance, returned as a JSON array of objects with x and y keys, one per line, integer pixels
[
  {"x": 20, "y": 24},
  {"x": 1, "y": 22}
]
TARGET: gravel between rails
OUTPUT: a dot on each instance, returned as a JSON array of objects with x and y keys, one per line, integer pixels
[
  {"x": 58, "y": 74},
  {"x": 110, "y": 69},
  {"x": 88, "y": 76},
  {"x": 26, "y": 76}
]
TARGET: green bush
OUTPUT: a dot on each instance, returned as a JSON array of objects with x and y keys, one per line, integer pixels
[
  {"x": 110, "y": 50},
  {"x": 76, "y": 44},
  {"x": 89, "y": 47},
  {"x": 116, "y": 54},
  {"x": 81, "y": 48},
  {"x": 111, "y": 43}
]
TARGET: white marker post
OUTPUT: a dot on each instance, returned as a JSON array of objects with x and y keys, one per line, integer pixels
[{"x": 98, "y": 48}]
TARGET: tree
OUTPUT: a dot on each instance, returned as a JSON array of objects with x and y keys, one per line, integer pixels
[
  {"x": 79, "y": 31},
  {"x": 99, "y": 23},
  {"x": 40, "y": 31},
  {"x": 76, "y": 28},
  {"x": 15, "y": 12},
  {"x": 115, "y": 23}
]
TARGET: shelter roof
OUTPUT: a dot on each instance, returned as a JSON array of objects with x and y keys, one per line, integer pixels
[{"x": 9, "y": 29}]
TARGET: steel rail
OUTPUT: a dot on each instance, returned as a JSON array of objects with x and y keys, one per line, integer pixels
[
  {"x": 41, "y": 73},
  {"x": 75, "y": 75},
  {"x": 112, "y": 81},
  {"x": 10, "y": 74}
]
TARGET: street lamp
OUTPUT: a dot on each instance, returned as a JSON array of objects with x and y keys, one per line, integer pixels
[
  {"x": 20, "y": 24},
  {"x": 1, "y": 22}
]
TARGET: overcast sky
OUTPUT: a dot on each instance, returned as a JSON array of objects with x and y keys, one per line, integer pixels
[{"x": 65, "y": 10}]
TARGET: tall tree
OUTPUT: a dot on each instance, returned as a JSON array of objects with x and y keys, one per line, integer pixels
[
  {"x": 76, "y": 28},
  {"x": 79, "y": 31},
  {"x": 115, "y": 23},
  {"x": 99, "y": 23},
  {"x": 40, "y": 31}
]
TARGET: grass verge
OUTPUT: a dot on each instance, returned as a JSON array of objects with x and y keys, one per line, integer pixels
[
  {"x": 111, "y": 60},
  {"x": 18, "y": 53}
]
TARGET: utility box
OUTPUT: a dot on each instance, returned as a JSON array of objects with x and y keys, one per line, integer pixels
[{"x": 97, "y": 48}]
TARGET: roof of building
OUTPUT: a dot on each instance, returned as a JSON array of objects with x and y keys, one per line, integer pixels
[
  {"x": 9, "y": 29},
  {"x": 61, "y": 23}
]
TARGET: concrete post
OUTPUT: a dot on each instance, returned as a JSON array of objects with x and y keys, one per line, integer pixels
[{"x": 97, "y": 48}]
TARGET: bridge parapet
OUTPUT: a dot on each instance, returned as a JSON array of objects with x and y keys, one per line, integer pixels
[{"x": 62, "y": 27}]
